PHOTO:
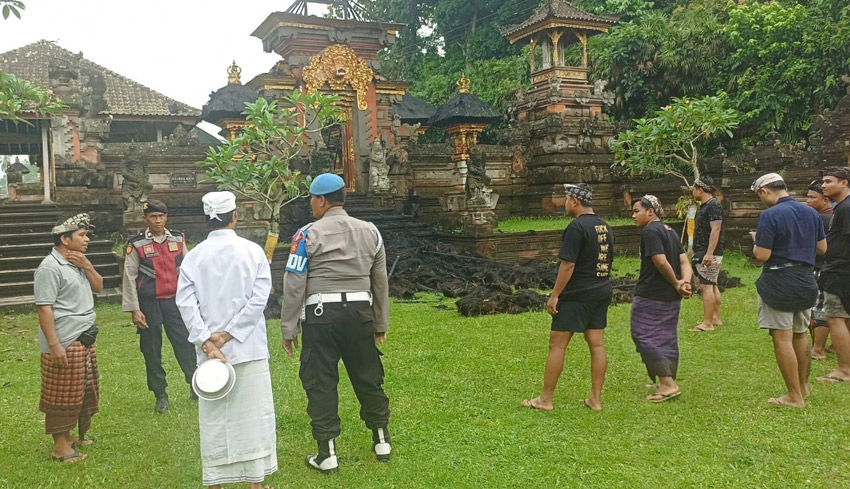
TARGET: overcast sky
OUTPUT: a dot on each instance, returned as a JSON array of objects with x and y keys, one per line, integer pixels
[{"x": 181, "y": 48}]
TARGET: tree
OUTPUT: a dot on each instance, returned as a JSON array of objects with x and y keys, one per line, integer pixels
[
  {"x": 19, "y": 97},
  {"x": 12, "y": 7},
  {"x": 257, "y": 163},
  {"x": 670, "y": 143}
]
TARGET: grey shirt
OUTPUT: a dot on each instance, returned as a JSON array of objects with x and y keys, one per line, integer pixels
[
  {"x": 337, "y": 253},
  {"x": 62, "y": 285}
]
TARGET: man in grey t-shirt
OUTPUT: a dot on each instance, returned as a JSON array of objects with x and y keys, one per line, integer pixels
[{"x": 63, "y": 283}]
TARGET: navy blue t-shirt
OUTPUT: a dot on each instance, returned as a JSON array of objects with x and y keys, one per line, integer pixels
[{"x": 791, "y": 231}]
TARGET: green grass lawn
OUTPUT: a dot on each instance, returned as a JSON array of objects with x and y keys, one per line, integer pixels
[
  {"x": 550, "y": 223},
  {"x": 455, "y": 385}
]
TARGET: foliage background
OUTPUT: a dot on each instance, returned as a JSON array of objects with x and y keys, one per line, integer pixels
[{"x": 780, "y": 62}]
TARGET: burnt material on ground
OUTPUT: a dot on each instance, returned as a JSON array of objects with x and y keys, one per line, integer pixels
[{"x": 484, "y": 286}]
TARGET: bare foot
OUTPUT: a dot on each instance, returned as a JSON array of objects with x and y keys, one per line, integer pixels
[
  {"x": 785, "y": 401},
  {"x": 702, "y": 327},
  {"x": 818, "y": 355},
  {"x": 717, "y": 321},
  {"x": 536, "y": 403},
  {"x": 806, "y": 390},
  {"x": 593, "y": 406}
]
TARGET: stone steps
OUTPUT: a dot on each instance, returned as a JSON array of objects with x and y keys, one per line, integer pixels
[{"x": 25, "y": 239}]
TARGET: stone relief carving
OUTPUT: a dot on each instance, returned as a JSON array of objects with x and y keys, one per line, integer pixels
[
  {"x": 378, "y": 169},
  {"x": 136, "y": 185},
  {"x": 478, "y": 194}
]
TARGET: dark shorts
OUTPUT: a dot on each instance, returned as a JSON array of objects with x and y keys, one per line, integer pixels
[{"x": 580, "y": 316}]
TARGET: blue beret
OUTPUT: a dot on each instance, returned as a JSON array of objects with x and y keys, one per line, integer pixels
[{"x": 326, "y": 183}]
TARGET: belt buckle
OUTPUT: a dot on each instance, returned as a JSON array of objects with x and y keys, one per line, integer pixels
[{"x": 320, "y": 309}]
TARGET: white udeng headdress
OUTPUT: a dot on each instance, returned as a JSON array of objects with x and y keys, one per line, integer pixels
[{"x": 216, "y": 203}]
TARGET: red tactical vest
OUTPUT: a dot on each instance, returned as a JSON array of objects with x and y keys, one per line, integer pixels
[{"x": 159, "y": 265}]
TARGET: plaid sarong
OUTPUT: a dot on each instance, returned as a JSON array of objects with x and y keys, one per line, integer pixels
[{"x": 69, "y": 394}]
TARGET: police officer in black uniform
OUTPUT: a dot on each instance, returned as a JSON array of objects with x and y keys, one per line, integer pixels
[
  {"x": 151, "y": 265},
  {"x": 336, "y": 282}
]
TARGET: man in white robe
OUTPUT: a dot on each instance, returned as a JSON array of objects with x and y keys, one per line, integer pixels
[{"x": 222, "y": 292}]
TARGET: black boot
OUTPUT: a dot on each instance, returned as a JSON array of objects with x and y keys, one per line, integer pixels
[
  {"x": 381, "y": 444},
  {"x": 161, "y": 405},
  {"x": 325, "y": 461}
]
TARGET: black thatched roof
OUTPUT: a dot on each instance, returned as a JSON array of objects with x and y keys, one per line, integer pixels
[
  {"x": 464, "y": 108},
  {"x": 228, "y": 103},
  {"x": 413, "y": 110}
]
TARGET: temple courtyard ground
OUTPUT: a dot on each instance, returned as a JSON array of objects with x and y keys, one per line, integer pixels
[{"x": 455, "y": 386}]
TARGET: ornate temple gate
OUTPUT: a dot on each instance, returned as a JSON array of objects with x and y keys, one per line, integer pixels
[{"x": 338, "y": 57}]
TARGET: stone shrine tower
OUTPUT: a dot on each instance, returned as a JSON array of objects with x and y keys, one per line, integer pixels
[{"x": 557, "y": 88}]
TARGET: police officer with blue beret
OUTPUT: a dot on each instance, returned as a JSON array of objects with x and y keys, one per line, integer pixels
[{"x": 335, "y": 286}]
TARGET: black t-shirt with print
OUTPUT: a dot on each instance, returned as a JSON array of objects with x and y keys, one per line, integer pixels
[
  {"x": 826, "y": 217},
  {"x": 658, "y": 238},
  {"x": 589, "y": 243},
  {"x": 837, "y": 257},
  {"x": 709, "y": 212}
]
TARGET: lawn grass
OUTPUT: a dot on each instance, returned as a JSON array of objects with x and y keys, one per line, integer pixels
[
  {"x": 550, "y": 223},
  {"x": 455, "y": 385}
]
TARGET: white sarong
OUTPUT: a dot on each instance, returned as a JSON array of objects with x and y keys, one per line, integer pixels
[{"x": 238, "y": 440}]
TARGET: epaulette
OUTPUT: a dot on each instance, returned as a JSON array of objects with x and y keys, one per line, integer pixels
[
  {"x": 137, "y": 237},
  {"x": 176, "y": 235}
]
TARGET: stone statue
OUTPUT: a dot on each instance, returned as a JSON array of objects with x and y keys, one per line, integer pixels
[
  {"x": 378, "y": 168},
  {"x": 477, "y": 181},
  {"x": 136, "y": 186},
  {"x": 599, "y": 86}
]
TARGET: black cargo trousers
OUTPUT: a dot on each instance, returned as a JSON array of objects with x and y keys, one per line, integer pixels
[
  {"x": 343, "y": 330},
  {"x": 161, "y": 313}
]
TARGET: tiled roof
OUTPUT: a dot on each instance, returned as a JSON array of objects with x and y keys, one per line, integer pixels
[
  {"x": 120, "y": 95},
  {"x": 559, "y": 9}
]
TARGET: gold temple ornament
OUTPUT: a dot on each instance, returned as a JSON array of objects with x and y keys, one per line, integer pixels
[
  {"x": 234, "y": 74},
  {"x": 339, "y": 67}
]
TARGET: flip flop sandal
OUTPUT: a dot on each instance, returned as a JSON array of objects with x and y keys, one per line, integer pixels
[
  {"x": 779, "y": 402},
  {"x": 664, "y": 397},
  {"x": 71, "y": 458},
  {"x": 529, "y": 403},
  {"x": 700, "y": 329},
  {"x": 831, "y": 379},
  {"x": 83, "y": 443}
]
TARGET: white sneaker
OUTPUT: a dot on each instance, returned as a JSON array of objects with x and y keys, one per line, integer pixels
[{"x": 329, "y": 465}]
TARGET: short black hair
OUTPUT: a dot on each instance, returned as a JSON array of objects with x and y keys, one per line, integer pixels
[
  {"x": 837, "y": 172},
  {"x": 336, "y": 198},
  {"x": 646, "y": 204},
  {"x": 777, "y": 185},
  {"x": 816, "y": 186},
  {"x": 57, "y": 238},
  {"x": 225, "y": 221}
]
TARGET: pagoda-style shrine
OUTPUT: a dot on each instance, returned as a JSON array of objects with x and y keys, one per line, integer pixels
[
  {"x": 558, "y": 88},
  {"x": 338, "y": 56},
  {"x": 226, "y": 104}
]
